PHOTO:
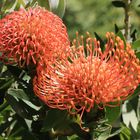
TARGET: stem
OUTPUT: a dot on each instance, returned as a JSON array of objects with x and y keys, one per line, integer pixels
[{"x": 127, "y": 19}]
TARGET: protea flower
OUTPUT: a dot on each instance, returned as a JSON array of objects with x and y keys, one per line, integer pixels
[
  {"x": 26, "y": 36},
  {"x": 90, "y": 76}
]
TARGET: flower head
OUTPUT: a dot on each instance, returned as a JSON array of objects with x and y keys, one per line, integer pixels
[
  {"x": 90, "y": 76},
  {"x": 26, "y": 36}
]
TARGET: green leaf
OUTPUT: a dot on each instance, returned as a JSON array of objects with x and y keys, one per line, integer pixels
[
  {"x": 14, "y": 70},
  {"x": 102, "y": 43},
  {"x": 44, "y": 3},
  {"x": 138, "y": 110},
  {"x": 138, "y": 129},
  {"x": 133, "y": 104},
  {"x": 125, "y": 133},
  {"x": 104, "y": 135},
  {"x": 1, "y": 3},
  {"x": 116, "y": 28},
  {"x": 55, "y": 119},
  {"x": 133, "y": 132},
  {"x": 58, "y": 9},
  {"x": 15, "y": 104},
  {"x": 7, "y": 84},
  {"x": 135, "y": 94},
  {"x": 81, "y": 133},
  {"x": 21, "y": 2},
  {"x": 14, "y": 138},
  {"x": 31, "y": 3},
  {"x": 112, "y": 113},
  {"x": 3, "y": 106},
  {"x": 118, "y": 3},
  {"x": 120, "y": 34},
  {"x": 6, "y": 124},
  {"x": 138, "y": 55},
  {"x": 23, "y": 133},
  {"x": 136, "y": 45},
  {"x": 17, "y": 7},
  {"x": 8, "y": 5},
  {"x": 31, "y": 105},
  {"x": 21, "y": 108},
  {"x": 133, "y": 35},
  {"x": 19, "y": 93},
  {"x": 62, "y": 138},
  {"x": 73, "y": 137},
  {"x": 115, "y": 131}
]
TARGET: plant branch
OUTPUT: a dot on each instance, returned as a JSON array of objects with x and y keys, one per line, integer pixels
[{"x": 127, "y": 19}]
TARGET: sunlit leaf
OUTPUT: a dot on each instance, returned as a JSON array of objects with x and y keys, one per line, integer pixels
[
  {"x": 8, "y": 4},
  {"x": 19, "y": 93},
  {"x": 21, "y": 2},
  {"x": 125, "y": 133},
  {"x": 17, "y": 7},
  {"x": 73, "y": 137}
]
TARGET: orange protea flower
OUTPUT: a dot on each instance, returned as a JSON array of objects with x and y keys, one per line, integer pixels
[
  {"x": 90, "y": 76},
  {"x": 26, "y": 36}
]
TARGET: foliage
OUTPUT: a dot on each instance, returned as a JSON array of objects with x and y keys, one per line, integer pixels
[{"x": 24, "y": 117}]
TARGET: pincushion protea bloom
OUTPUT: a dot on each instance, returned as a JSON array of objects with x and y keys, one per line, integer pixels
[
  {"x": 25, "y": 36},
  {"x": 90, "y": 76}
]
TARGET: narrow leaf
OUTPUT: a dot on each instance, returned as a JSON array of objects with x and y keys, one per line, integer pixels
[
  {"x": 120, "y": 34},
  {"x": 118, "y": 3},
  {"x": 116, "y": 28},
  {"x": 133, "y": 35},
  {"x": 102, "y": 43}
]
